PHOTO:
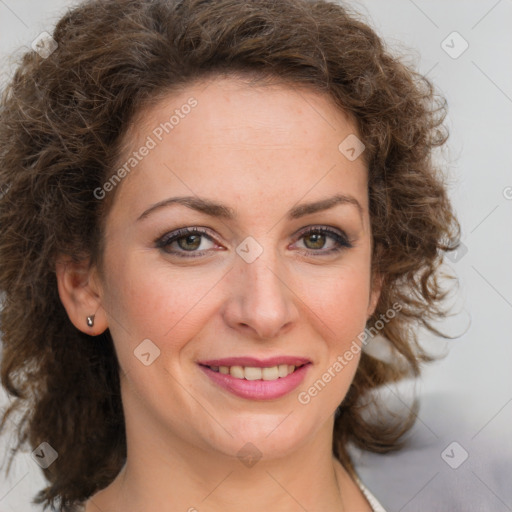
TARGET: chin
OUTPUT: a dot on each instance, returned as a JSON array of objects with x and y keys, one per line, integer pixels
[{"x": 269, "y": 436}]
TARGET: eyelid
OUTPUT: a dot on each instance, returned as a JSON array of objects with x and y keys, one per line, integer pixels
[
  {"x": 178, "y": 233},
  {"x": 322, "y": 228}
]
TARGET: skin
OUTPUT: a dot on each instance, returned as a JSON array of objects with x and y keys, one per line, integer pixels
[{"x": 259, "y": 150}]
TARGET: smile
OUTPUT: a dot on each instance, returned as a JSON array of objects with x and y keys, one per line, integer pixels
[{"x": 255, "y": 379}]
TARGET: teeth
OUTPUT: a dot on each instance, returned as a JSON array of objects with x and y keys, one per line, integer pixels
[
  {"x": 253, "y": 373},
  {"x": 270, "y": 373},
  {"x": 283, "y": 370},
  {"x": 237, "y": 372}
]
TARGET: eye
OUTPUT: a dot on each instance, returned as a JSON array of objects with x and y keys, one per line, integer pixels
[
  {"x": 315, "y": 238},
  {"x": 195, "y": 241},
  {"x": 186, "y": 240}
]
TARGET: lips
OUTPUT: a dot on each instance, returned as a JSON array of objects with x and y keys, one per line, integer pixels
[{"x": 257, "y": 379}]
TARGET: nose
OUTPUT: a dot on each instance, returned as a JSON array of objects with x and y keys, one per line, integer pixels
[{"x": 261, "y": 300}]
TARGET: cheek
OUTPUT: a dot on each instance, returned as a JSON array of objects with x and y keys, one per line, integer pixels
[
  {"x": 149, "y": 299},
  {"x": 339, "y": 301}
]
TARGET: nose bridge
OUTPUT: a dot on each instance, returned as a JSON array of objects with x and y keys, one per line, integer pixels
[
  {"x": 262, "y": 300},
  {"x": 262, "y": 277}
]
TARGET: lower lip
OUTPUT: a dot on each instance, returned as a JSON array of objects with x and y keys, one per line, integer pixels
[{"x": 258, "y": 389}]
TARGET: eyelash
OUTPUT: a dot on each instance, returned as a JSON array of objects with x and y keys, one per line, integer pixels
[{"x": 166, "y": 240}]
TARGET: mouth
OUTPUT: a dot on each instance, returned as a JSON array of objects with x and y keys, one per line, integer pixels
[
  {"x": 257, "y": 379},
  {"x": 256, "y": 373}
]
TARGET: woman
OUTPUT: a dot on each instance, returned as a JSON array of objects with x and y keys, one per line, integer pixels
[{"x": 212, "y": 210}]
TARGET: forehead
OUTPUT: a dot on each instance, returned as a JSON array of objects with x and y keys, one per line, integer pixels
[
  {"x": 246, "y": 111},
  {"x": 226, "y": 137}
]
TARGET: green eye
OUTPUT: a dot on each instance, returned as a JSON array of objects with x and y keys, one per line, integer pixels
[
  {"x": 319, "y": 236},
  {"x": 188, "y": 242}
]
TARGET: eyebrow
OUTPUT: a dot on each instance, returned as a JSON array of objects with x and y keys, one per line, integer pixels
[{"x": 222, "y": 211}]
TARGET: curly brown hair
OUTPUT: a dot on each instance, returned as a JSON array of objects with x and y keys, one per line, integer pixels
[{"x": 63, "y": 121}]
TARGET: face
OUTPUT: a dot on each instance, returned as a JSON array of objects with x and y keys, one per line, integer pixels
[{"x": 226, "y": 307}]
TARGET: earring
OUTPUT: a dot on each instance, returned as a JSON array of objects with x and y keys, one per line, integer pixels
[{"x": 90, "y": 320}]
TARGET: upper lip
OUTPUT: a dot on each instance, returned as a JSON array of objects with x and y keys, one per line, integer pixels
[{"x": 255, "y": 362}]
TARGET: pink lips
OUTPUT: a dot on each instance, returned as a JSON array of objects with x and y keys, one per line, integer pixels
[{"x": 257, "y": 389}]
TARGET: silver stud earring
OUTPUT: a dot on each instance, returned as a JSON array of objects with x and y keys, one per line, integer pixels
[{"x": 90, "y": 320}]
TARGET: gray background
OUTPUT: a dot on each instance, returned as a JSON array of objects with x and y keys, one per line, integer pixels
[{"x": 466, "y": 398}]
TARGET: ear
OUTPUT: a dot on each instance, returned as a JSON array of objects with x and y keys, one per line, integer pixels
[
  {"x": 80, "y": 293},
  {"x": 376, "y": 288}
]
